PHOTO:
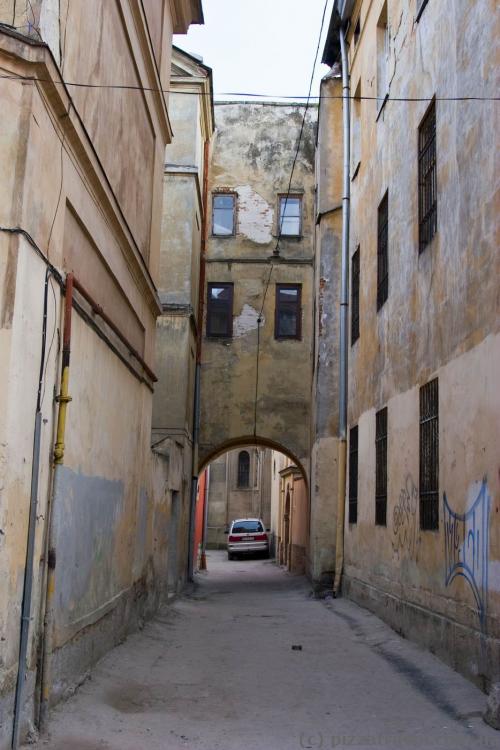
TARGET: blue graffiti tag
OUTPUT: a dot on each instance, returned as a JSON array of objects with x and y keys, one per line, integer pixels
[{"x": 466, "y": 545}]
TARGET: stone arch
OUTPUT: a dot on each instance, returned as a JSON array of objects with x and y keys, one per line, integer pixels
[{"x": 250, "y": 440}]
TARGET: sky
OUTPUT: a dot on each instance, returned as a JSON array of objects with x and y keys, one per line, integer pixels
[{"x": 260, "y": 46}]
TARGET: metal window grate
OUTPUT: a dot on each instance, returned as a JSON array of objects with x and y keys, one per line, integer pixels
[
  {"x": 383, "y": 252},
  {"x": 381, "y": 467},
  {"x": 355, "y": 297},
  {"x": 353, "y": 475},
  {"x": 429, "y": 455},
  {"x": 427, "y": 178}
]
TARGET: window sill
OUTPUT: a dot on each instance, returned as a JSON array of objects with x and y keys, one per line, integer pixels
[
  {"x": 381, "y": 106},
  {"x": 421, "y": 10},
  {"x": 222, "y": 236}
]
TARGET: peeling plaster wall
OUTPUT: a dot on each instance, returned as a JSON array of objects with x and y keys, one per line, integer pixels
[
  {"x": 252, "y": 156},
  {"x": 441, "y": 319}
]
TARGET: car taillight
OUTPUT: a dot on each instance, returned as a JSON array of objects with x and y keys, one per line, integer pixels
[
  {"x": 261, "y": 538},
  {"x": 233, "y": 538}
]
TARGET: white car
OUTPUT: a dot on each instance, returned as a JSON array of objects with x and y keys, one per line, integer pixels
[{"x": 247, "y": 536}]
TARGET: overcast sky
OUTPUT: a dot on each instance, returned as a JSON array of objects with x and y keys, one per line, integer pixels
[{"x": 260, "y": 46}]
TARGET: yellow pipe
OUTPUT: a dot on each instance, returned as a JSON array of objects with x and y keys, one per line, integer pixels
[
  {"x": 63, "y": 400},
  {"x": 339, "y": 545}
]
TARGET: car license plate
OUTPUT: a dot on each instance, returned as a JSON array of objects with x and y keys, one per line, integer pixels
[{"x": 249, "y": 539}]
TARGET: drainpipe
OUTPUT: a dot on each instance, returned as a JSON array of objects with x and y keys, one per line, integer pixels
[
  {"x": 63, "y": 400},
  {"x": 203, "y": 558},
  {"x": 30, "y": 546},
  {"x": 344, "y": 302},
  {"x": 196, "y": 414}
]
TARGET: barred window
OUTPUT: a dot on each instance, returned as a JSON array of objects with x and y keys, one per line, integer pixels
[
  {"x": 353, "y": 474},
  {"x": 243, "y": 469},
  {"x": 383, "y": 252},
  {"x": 427, "y": 179},
  {"x": 355, "y": 297},
  {"x": 381, "y": 467},
  {"x": 429, "y": 455}
]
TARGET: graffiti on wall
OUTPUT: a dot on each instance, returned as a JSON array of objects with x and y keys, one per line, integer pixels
[
  {"x": 404, "y": 520},
  {"x": 466, "y": 546}
]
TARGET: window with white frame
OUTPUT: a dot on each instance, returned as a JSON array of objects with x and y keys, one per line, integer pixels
[
  {"x": 223, "y": 214},
  {"x": 290, "y": 207}
]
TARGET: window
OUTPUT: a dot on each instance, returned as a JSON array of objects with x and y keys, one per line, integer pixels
[
  {"x": 356, "y": 132},
  {"x": 243, "y": 469},
  {"x": 382, "y": 58},
  {"x": 223, "y": 214},
  {"x": 427, "y": 179},
  {"x": 383, "y": 252},
  {"x": 290, "y": 215},
  {"x": 381, "y": 467},
  {"x": 355, "y": 297},
  {"x": 245, "y": 527},
  {"x": 287, "y": 324},
  {"x": 429, "y": 455},
  {"x": 220, "y": 310},
  {"x": 353, "y": 475},
  {"x": 420, "y": 7}
]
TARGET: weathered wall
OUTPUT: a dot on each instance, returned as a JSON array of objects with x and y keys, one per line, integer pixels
[
  {"x": 178, "y": 284},
  {"x": 252, "y": 155},
  {"x": 324, "y": 454},
  {"x": 65, "y": 175},
  {"x": 441, "y": 320}
]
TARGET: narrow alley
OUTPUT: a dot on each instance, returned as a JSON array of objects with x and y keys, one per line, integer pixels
[{"x": 248, "y": 659}]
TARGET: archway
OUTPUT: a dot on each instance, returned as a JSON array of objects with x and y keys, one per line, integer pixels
[{"x": 252, "y": 477}]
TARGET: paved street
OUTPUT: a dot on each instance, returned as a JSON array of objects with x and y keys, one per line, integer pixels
[{"x": 218, "y": 671}]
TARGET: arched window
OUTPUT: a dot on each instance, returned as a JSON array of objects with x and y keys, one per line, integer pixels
[{"x": 243, "y": 469}]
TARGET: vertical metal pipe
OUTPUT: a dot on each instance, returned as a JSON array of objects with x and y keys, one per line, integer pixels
[
  {"x": 28, "y": 584},
  {"x": 203, "y": 562},
  {"x": 344, "y": 303},
  {"x": 63, "y": 400},
  {"x": 30, "y": 544}
]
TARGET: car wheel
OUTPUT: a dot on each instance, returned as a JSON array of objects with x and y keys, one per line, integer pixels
[{"x": 230, "y": 556}]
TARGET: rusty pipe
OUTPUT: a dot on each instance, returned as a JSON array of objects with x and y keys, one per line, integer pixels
[{"x": 97, "y": 309}]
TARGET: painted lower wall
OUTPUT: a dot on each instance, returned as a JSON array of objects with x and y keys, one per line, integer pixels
[{"x": 441, "y": 588}]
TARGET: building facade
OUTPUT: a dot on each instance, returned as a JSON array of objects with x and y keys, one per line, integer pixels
[
  {"x": 178, "y": 341},
  {"x": 83, "y": 507},
  {"x": 258, "y": 312},
  {"x": 422, "y": 531}
]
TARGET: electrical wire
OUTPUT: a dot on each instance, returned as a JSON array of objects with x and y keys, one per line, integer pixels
[
  {"x": 250, "y": 94},
  {"x": 280, "y": 220}
]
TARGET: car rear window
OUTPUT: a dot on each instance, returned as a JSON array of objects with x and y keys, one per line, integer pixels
[{"x": 243, "y": 527}]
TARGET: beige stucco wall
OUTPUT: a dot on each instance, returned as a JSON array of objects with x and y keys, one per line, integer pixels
[
  {"x": 252, "y": 155},
  {"x": 82, "y": 178},
  {"x": 441, "y": 320}
]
